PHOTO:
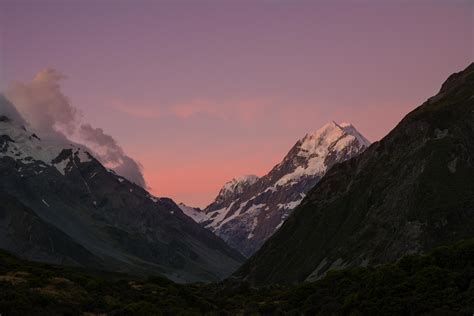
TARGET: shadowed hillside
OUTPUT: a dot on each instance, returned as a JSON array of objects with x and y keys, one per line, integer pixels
[{"x": 407, "y": 193}]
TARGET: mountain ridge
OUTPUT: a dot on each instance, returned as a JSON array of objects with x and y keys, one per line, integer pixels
[
  {"x": 118, "y": 224},
  {"x": 247, "y": 216},
  {"x": 407, "y": 193}
]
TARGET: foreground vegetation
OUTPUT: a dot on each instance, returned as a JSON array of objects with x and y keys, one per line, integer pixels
[{"x": 439, "y": 283}]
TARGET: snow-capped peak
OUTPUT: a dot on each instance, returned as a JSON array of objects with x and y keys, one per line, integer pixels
[
  {"x": 248, "y": 179},
  {"x": 245, "y": 216},
  {"x": 344, "y": 124},
  {"x": 351, "y": 130},
  {"x": 27, "y": 147},
  {"x": 319, "y": 141},
  {"x": 237, "y": 185},
  {"x": 331, "y": 142}
]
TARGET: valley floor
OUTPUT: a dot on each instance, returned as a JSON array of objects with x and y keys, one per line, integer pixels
[{"x": 440, "y": 283}]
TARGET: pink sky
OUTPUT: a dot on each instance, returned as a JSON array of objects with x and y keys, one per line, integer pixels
[{"x": 200, "y": 92}]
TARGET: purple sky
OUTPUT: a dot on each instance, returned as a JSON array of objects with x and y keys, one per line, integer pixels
[{"x": 202, "y": 91}]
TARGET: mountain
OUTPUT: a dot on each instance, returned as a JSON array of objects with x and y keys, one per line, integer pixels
[
  {"x": 231, "y": 191},
  {"x": 60, "y": 205},
  {"x": 194, "y": 212},
  {"x": 248, "y": 209},
  {"x": 407, "y": 193}
]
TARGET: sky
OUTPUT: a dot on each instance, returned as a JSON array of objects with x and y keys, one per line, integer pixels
[{"x": 199, "y": 92}]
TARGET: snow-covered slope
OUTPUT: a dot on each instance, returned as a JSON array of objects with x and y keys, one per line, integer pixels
[
  {"x": 246, "y": 213},
  {"x": 194, "y": 212},
  {"x": 28, "y": 148},
  {"x": 229, "y": 193},
  {"x": 332, "y": 142},
  {"x": 236, "y": 186}
]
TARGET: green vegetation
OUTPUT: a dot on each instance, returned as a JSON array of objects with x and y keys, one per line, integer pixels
[{"x": 441, "y": 283}]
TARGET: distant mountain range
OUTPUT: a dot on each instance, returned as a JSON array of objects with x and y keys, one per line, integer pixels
[
  {"x": 60, "y": 205},
  {"x": 407, "y": 193},
  {"x": 248, "y": 209}
]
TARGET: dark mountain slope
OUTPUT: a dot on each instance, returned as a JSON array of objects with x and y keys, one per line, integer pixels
[
  {"x": 60, "y": 205},
  {"x": 408, "y": 193},
  {"x": 22, "y": 231}
]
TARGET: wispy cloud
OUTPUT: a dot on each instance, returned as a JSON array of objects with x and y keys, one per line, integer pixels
[
  {"x": 245, "y": 110},
  {"x": 137, "y": 109}
]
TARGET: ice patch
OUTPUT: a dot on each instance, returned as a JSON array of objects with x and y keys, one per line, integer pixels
[
  {"x": 272, "y": 189},
  {"x": 293, "y": 204},
  {"x": 279, "y": 225},
  {"x": 252, "y": 228},
  {"x": 62, "y": 165},
  {"x": 283, "y": 219}
]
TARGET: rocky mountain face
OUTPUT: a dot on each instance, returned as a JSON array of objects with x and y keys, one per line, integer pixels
[
  {"x": 248, "y": 210},
  {"x": 60, "y": 205},
  {"x": 230, "y": 192},
  {"x": 407, "y": 193}
]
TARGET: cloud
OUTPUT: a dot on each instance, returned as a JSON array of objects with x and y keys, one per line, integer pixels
[
  {"x": 48, "y": 111},
  {"x": 8, "y": 109},
  {"x": 106, "y": 146},
  {"x": 187, "y": 110},
  {"x": 132, "y": 170},
  {"x": 42, "y": 104},
  {"x": 245, "y": 111},
  {"x": 137, "y": 109},
  {"x": 110, "y": 153}
]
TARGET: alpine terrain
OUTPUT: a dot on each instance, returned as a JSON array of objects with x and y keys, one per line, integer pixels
[
  {"x": 405, "y": 194},
  {"x": 60, "y": 205},
  {"x": 248, "y": 209}
]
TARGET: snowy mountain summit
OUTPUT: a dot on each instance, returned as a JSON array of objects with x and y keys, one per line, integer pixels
[
  {"x": 248, "y": 210},
  {"x": 27, "y": 148},
  {"x": 319, "y": 150}
]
